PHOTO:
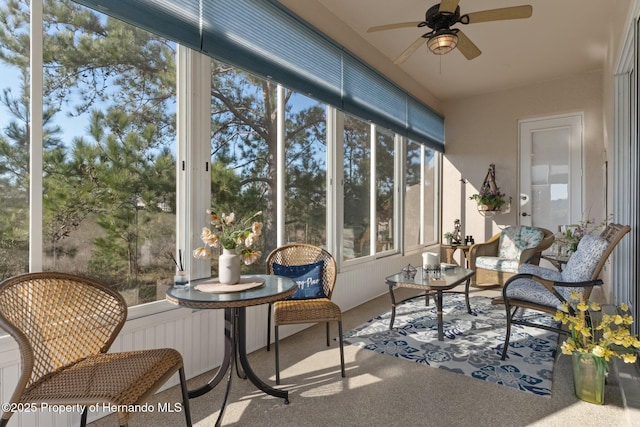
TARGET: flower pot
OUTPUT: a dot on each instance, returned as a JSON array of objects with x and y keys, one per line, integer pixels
[
  {"x": 229, "y": 267},
  {"x": 488, "y": 208},
  {"x": 589, "y": 374}
]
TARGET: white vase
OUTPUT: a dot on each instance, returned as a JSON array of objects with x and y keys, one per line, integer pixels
[{"x": 229, "y": 267}]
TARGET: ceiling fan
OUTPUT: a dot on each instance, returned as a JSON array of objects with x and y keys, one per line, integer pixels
[{"x": 442, "y": 38}]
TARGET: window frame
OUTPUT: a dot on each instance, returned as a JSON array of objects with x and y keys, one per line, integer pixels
[{"x": 193, "y": 174}]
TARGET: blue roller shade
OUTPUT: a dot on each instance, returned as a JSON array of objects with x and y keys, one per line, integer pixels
[
  {"x": 264, "y": 38},
  {"x": 177, "y": 20}
]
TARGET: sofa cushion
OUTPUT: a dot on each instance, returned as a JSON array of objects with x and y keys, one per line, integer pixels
[
  {"x": 545, "y": 273},
  {"x": 533, "y": 291},
  {"x": 515, "y": 239}
]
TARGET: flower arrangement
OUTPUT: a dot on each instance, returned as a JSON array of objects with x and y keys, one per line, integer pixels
[
  {"x": 239, "y": 235},
  {"x": 569, "y": 237},
  {"x": 604, "y": 340},
  {"x": 494, "y": 200}
]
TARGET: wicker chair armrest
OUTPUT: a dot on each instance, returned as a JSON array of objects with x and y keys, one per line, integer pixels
[
  {"x": 533, "y": 259},
  {"x": 488, "y": 248},
  {"x": 530, "y": 256}
]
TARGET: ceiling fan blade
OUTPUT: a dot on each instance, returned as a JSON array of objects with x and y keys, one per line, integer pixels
[
  {"x": 516, "y": 12},
  {"x": 467, "y": 47},
  {"x": 409, "y": 51},
  {"x": 448, "y": 5},
  {"x": 393, "y": 26}
]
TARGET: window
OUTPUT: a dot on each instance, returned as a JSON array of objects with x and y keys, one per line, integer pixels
[
  {"x": 357, "y": 191},
  {"x": 306, "y": 171},
  {"x": 108, "y": 136},
  {"x": 14, "y": 141},
  {"x": 421, "y": 196},
  {"x": 243, "y": 150},
  {"x": 385, "y": 190},
  {"x": 109, "y": 173}
]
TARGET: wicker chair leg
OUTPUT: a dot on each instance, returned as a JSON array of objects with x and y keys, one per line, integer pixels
[
  {"x": 185, "y": 397},
  {"x": 83, "y": 417},
  {"x": 328, "y": 340},
  {"x": 275, "y": 330},
  {"x": 269, "y": 328},
  {"x": 341, "y": 347}
]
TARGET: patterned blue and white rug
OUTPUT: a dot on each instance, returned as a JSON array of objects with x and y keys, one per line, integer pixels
[{"x": 472, "y": 342}]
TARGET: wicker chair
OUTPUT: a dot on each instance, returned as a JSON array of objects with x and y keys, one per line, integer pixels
[
  {"x": 544, "y": 289},
  {"x": 297, "y": 311},
  {"x": 64, "y": 326},
  {"x": 497, "y": 259}
]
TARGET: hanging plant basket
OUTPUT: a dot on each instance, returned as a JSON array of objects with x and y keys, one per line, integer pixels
[
  {"x": 490, "y": 211},
  {"x": 490, "y": 200}
]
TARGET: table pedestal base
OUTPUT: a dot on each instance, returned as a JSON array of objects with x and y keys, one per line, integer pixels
[
  {"x": 438, "y": 297},
  {"x": 235, "y": 346}
]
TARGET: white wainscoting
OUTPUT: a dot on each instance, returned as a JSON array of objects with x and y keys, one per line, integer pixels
[{"x": 199, "y": 334}]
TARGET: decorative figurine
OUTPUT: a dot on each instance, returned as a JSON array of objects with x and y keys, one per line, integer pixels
[
  {"x": 409, "y": 271},
  {"x": 457, "y": 233}
]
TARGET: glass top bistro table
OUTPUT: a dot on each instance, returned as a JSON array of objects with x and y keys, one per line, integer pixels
[
  {"x": 436, "y": 283},
  {"x": 234, "y": 304}
]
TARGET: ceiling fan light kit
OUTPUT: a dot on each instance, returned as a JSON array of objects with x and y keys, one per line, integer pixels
[
  {"x": 442, "y": 38},
  {"x": 442, "y": 43}
]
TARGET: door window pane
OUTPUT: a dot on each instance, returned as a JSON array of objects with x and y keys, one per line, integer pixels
[{"x": 550, "y": 176}]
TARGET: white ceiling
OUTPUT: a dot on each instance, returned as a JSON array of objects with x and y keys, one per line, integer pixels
[{"x": 562, "y": 38}]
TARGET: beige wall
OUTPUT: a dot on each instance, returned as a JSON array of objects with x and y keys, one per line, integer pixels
[{"x": 483, "y": 129}]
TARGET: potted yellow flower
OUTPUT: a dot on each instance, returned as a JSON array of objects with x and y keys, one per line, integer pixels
[
  {"x": 236, "y": 237},
  {"x": 592, "y": 343}
]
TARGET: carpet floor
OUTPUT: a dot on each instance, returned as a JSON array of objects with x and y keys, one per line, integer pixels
[{"x": 472, "y": 343}]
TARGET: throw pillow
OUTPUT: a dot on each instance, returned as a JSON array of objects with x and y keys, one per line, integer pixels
[
  {"x": 308, "y": 277},
  {"x": 584, "y": 260},
  {"x": 516, "y": 239}
]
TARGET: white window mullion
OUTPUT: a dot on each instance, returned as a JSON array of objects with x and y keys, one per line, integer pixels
[
  {"x": 399, "y": 183},
  {"x": 193, "y": 165},
  {"x": 281, "y": 168},
  {"x": 36, "y": 145},
  {"x": 335, "y": 182},
  {"x": 423, "y": 178},
  {"x": 373, "y": 191}
]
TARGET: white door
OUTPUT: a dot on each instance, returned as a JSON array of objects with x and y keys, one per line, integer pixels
[{"x": 551, "y": 171}]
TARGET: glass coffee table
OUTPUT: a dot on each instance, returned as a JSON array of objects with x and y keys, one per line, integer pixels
[{"x": 432, "y": 284}]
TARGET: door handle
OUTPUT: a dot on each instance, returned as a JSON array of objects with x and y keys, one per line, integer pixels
[{"x": 525, "y": 214}]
